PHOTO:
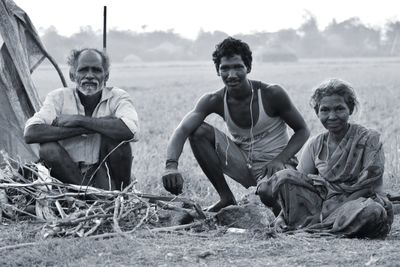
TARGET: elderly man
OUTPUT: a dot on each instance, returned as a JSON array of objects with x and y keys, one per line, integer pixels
[
  {"x": 84, "y": 132},
  {"x": 256, "y": 114}
]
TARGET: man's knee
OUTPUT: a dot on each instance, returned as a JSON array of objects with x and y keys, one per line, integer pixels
[
  {"x": 124, "y": 152},
  {"x": 50, "y": 152},
  {"x": 280, "y": 177},
  {"x": 204, "y": 131},
  {"x": 264, "y": 190},
  {"x": 114, "y": 149}
]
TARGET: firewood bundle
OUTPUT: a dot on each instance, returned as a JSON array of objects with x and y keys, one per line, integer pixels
[{"x": 30, "y": 193}]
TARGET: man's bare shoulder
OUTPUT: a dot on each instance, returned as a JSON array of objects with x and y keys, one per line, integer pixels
[
  {"x": 212, "y": 98},
  {"x": 211, "y": 102},
  {"x": 275, "y": 98},
  {"x": 272, "y": 90},
  {"x": 215, "y": 96}
]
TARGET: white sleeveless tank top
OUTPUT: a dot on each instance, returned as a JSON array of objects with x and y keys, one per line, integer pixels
[{"x": 269, "y": 134}]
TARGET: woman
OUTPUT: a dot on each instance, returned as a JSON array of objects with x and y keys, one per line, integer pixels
[{"x": 337, "y": 184}]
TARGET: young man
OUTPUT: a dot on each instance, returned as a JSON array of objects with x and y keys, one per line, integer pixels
[
  {"x": 80, "y": 129},
  {"x": 256, "y": 114}
]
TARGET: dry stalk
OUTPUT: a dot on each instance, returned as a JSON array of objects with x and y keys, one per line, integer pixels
[
  {"x": 144, "y": 218},
  {"x": 176, "y": 199},
  {"x": 60, "y": 210},
  {"x": 94, "y": 228},
  {"x": 130, "y": 186},
  {"x": 82, "y": 219},
  {"x": 22, "y": 245},
  {"x": 116, "y": 227},
  {"x": 20, "y": 185},
  {"x": 167, "y": 206},
  {"x": 108, "y": 176},
  {"x": 75, "y": 230},
  {"x": 177, "y": 227},
  {"x": 122, "y": 206},
  {"x": 90, "y": 208},
  {"x": 23, "y": 212},
  {"x": 102, "y": 236}
]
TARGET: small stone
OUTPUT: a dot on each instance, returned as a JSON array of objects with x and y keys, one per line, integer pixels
[
  {"x": 248, "y": 216},
  {"x": 172, "y": 217},
  {"x": 205, "y": 254},
  {"x": 170, "y": 256},
  {"x": 236, "y": 230}
]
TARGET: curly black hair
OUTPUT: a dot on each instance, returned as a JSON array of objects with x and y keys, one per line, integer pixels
[
  {"x": 72, "y": 59},
  {"x": 230, "y": 47},
  {"x": 334, "y": 87}
]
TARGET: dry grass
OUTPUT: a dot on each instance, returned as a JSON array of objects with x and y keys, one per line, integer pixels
[
  {"x": 162, "y": 95},
  {"x": 217, "y": 249}
]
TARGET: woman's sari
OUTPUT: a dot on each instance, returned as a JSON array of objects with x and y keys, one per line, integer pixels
[{"x": 343, "y": 198}]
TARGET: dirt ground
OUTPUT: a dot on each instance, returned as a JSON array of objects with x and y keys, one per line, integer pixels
[{"x": 215, "y": 248}]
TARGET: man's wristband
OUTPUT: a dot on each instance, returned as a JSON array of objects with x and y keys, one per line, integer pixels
[{"x": 171, "y": 163}]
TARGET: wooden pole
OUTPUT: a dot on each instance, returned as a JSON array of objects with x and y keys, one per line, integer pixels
[
  {"x": 105, "y": 33},
  {"x": 105, "y": 28}
]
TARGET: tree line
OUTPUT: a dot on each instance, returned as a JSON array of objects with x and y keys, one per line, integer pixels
[{"x": 349, "y": 38}]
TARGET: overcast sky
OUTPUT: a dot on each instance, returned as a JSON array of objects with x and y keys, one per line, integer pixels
[{"x": 187, "y": 17}]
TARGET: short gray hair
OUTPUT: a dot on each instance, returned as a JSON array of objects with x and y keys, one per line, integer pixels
[
  {"x": 72, "y": 59},
  {"x": 334, "y": 87}
]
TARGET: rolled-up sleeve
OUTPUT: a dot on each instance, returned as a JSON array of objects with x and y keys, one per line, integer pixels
[
  {"x": 48, "y": 112},
  {"x": 125, "y": 110}
]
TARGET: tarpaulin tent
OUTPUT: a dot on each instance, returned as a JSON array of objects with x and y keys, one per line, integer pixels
[{"x": 20, "y": 54}]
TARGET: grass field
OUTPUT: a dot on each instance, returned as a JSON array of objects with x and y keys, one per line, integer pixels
[{"x": 163, "y": 93}]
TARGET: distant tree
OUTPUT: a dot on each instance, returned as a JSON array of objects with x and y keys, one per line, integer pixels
[
  {"x": 312, "y": 42},
  {"x": 87, "y": 37},
  {"x": 392, "y": 38},
  {"x": 352, "y": 38},
  {"x": 256, "y": 39},
  {"x": 310, "y": 25},
  {"x": 163, "y": 46},
  {"x": 124, "y": 43},
  {"x": 347, "y": 38},
  {"x": 57, "y": 45},
  {"x": 287, "y": 36},
  {"x": 205, "y": 43},
  {"x": 289, "y": 40}
]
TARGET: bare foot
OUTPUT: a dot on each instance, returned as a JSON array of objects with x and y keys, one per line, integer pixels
[{"x": 221, "y": 204}]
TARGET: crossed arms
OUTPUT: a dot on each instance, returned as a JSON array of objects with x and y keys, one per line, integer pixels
[
  {"x": 51, "y": 123},
  {"x": 65, "y": 126}
]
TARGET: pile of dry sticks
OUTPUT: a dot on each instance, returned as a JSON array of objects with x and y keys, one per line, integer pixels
[{"x": 81, "y": 211}]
